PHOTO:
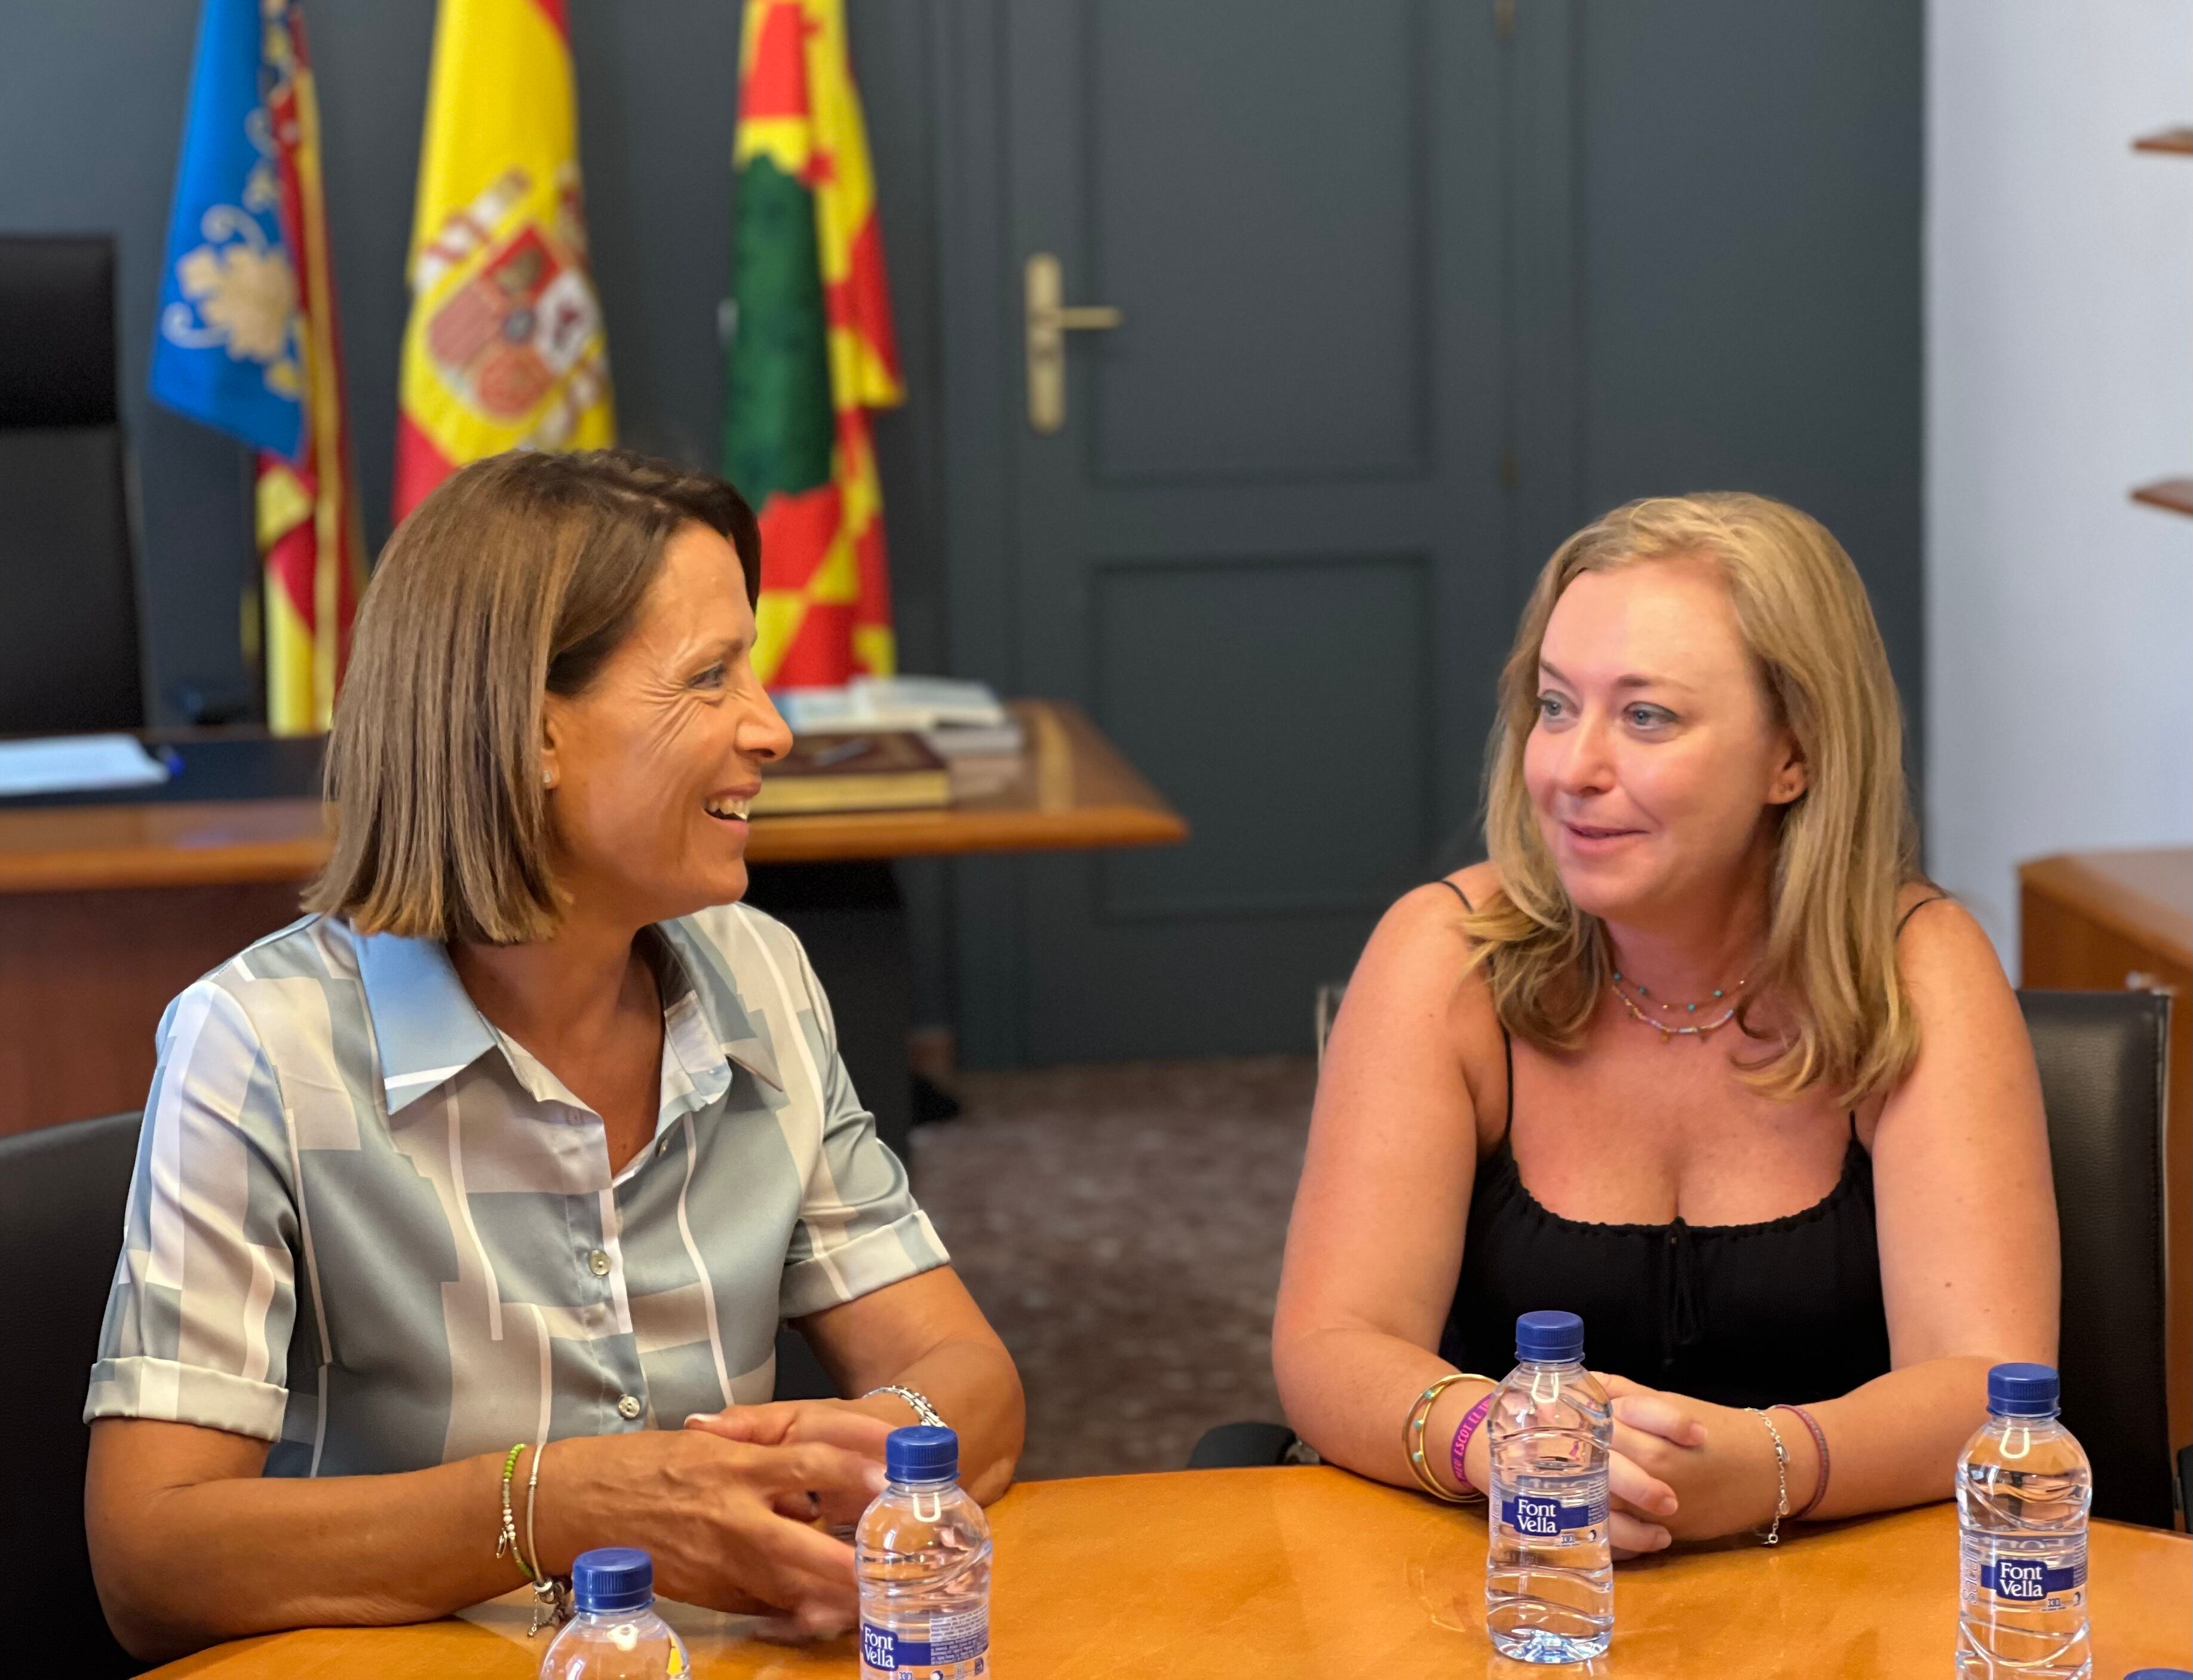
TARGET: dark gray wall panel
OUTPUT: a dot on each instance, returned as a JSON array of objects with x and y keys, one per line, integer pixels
[
  {"x": 1185, "y": 986},
  {"x": 1254, "y": 144},
  {"x": 1750, "y": 212},
  {"x": 1285, "y": 709}
]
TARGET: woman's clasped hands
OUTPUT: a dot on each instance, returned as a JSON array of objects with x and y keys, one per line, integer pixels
[
  {"x": 1684, "y": 1469},
  {"x": 736, "y": 1508}
]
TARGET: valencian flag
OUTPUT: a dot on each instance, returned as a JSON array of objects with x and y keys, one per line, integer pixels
[
  {"x": 813, "y": 351},
  {"x": 504, "y": 348},
  {"x": 246, "y": 340}
]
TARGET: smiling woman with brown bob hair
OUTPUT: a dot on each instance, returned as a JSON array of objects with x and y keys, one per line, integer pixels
[
  {"x": 460, "y": 1196},
  {"x": 1697, "y": 1054}
]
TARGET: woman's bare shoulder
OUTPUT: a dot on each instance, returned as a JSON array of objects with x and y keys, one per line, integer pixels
[
  {"x": 1937, "y": 937},
  {"x": 1478, "y": 883},
  {"x": 1432, "y": 914},
  {"x": 1474, "y": 886},
  {"x": 1968, "y": 1016},
  {"x": 1414, "y": 999},
  {"x": 1914, "y": 894},
  {"x": 1944, "y": 955}
]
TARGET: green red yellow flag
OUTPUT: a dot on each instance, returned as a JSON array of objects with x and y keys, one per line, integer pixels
[
  {"x": 505, "y": 346},
  {"x": 813, "y": 351}
]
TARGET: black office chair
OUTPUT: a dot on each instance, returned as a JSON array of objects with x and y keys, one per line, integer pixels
[
  {"x": 2102, "y": 1061},
  {"x": 63, "y": 1192},
  {"x": 69, "y": 653}
]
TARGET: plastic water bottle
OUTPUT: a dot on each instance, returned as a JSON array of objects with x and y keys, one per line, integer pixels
[
  {"x": 2024, "y": 1485},
  {"x": 922, "y": 1551},
  {"x": 615, "y": 1634},
  {"x": 1548, "y": 1567}
]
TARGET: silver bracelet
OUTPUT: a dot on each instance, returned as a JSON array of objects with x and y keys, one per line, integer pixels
[
  {"x": 922, "y": 1409},
  {"x": 552, "y": 1594},
  {"x": 1774, "y": 1534}
]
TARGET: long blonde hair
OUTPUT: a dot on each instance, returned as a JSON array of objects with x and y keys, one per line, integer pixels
[{"x": 1847, "y": 845}]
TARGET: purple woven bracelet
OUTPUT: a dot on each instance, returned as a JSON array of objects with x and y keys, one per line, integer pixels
[
  {"x": 1819, "y": 1440},
  {"x": 1470, "y": 1421}
]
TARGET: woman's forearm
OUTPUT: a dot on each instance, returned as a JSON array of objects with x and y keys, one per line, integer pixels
[
  {"x": 187, "y": 1565},
  {"x": 1348, "y": 1393},
  {"x": 974, "y": 1386},
  {"x": 1892, "y": 1443}
]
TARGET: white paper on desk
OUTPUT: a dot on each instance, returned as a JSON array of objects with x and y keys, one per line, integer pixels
[{"x": 76, "y": 764}]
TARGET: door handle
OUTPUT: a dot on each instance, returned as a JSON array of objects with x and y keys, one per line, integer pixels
[{"x": 1049, "y": 321}]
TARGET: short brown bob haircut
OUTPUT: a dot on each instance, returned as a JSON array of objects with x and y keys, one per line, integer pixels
[{"x": 514, "y": 580}]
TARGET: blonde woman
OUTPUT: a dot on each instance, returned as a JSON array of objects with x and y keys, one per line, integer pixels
[{"x": 1697, "y": 1054}]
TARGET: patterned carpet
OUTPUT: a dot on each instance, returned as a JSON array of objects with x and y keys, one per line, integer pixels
[{"x": 1122, "y": 1227}]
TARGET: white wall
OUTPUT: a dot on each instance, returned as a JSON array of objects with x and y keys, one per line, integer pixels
[{"x": 2060, "y": 372}]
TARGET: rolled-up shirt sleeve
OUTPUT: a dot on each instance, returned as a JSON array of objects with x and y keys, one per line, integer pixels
[
  {"x": 199, "y": 1318},
  {"x": 859, "y": 1227}
]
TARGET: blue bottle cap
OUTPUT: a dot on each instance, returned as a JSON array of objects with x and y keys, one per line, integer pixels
[
  {"x": 2024, "y": 1390},
  {"x": 612, "y": 1577},
  {"x": 921, "y": 1453},
  {"x": 2161, "y": 1674},
  {"x": 1549, "y": 1337}
]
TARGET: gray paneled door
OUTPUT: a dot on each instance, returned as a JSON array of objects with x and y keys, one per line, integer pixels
[{"x": 1262, "y": 539}]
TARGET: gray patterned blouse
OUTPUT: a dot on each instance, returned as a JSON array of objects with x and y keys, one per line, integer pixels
[{"x": 369, "y": 1227}]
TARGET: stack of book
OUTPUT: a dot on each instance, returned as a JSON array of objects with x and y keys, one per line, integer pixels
[{"x": 888, "y": 743}]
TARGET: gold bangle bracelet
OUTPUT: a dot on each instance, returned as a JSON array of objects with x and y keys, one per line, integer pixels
[{"x": 1412, "y": 1436}]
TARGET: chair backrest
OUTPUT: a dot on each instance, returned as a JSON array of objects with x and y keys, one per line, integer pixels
[
  {"x": 69, "y": 650},
  {"x": 63, "y": 1192},
  {"x": 2102, "y": 1058},
  {"x": 1324, "y": 1008}
]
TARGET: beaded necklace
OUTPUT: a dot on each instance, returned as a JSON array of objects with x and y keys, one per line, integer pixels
[{"x": 1695, "y": 1030}]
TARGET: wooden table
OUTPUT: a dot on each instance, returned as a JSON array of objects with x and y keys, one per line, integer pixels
[
  {"x": 107, "y": 911},
  {"x": 2109, "y": 920},
  {"x": 1275, "y": 1573}
]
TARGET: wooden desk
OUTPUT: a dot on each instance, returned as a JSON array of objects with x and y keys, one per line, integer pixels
[
  {"x": 1073, "y": 792},
  {"x": 2105, "y": 921},
  {"x": 107, "y": 911},
  {"x": 1277, "y": 1573}
]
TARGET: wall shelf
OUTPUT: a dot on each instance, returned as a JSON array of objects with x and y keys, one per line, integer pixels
[
  {"x": 2172, "y": 494},
  {"x": 2175, "y": 494}
]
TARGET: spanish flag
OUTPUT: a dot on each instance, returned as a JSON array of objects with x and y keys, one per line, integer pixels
[
  {"x": 813, "y": 351},
  {"x": 248, "y": 341},
  {"x": 504, "y": 348}
]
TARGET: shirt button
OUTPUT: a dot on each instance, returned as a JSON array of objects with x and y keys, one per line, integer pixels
[
  {"x": 598, "y": 1264},
  {"x": 628, "y": 1408}
]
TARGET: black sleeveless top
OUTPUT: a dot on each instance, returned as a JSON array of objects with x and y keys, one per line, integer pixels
[{"x": 1788, "y": 1309}]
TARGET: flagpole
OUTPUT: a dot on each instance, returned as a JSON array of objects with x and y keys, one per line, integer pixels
[{"x": 251, "y": 601}]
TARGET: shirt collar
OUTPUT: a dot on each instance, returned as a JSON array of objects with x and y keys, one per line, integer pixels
[
  {"x": 715, "y": 1009},
  {"x": 426, "y": 1026},
  {"x": 429, "y": 1030}
]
